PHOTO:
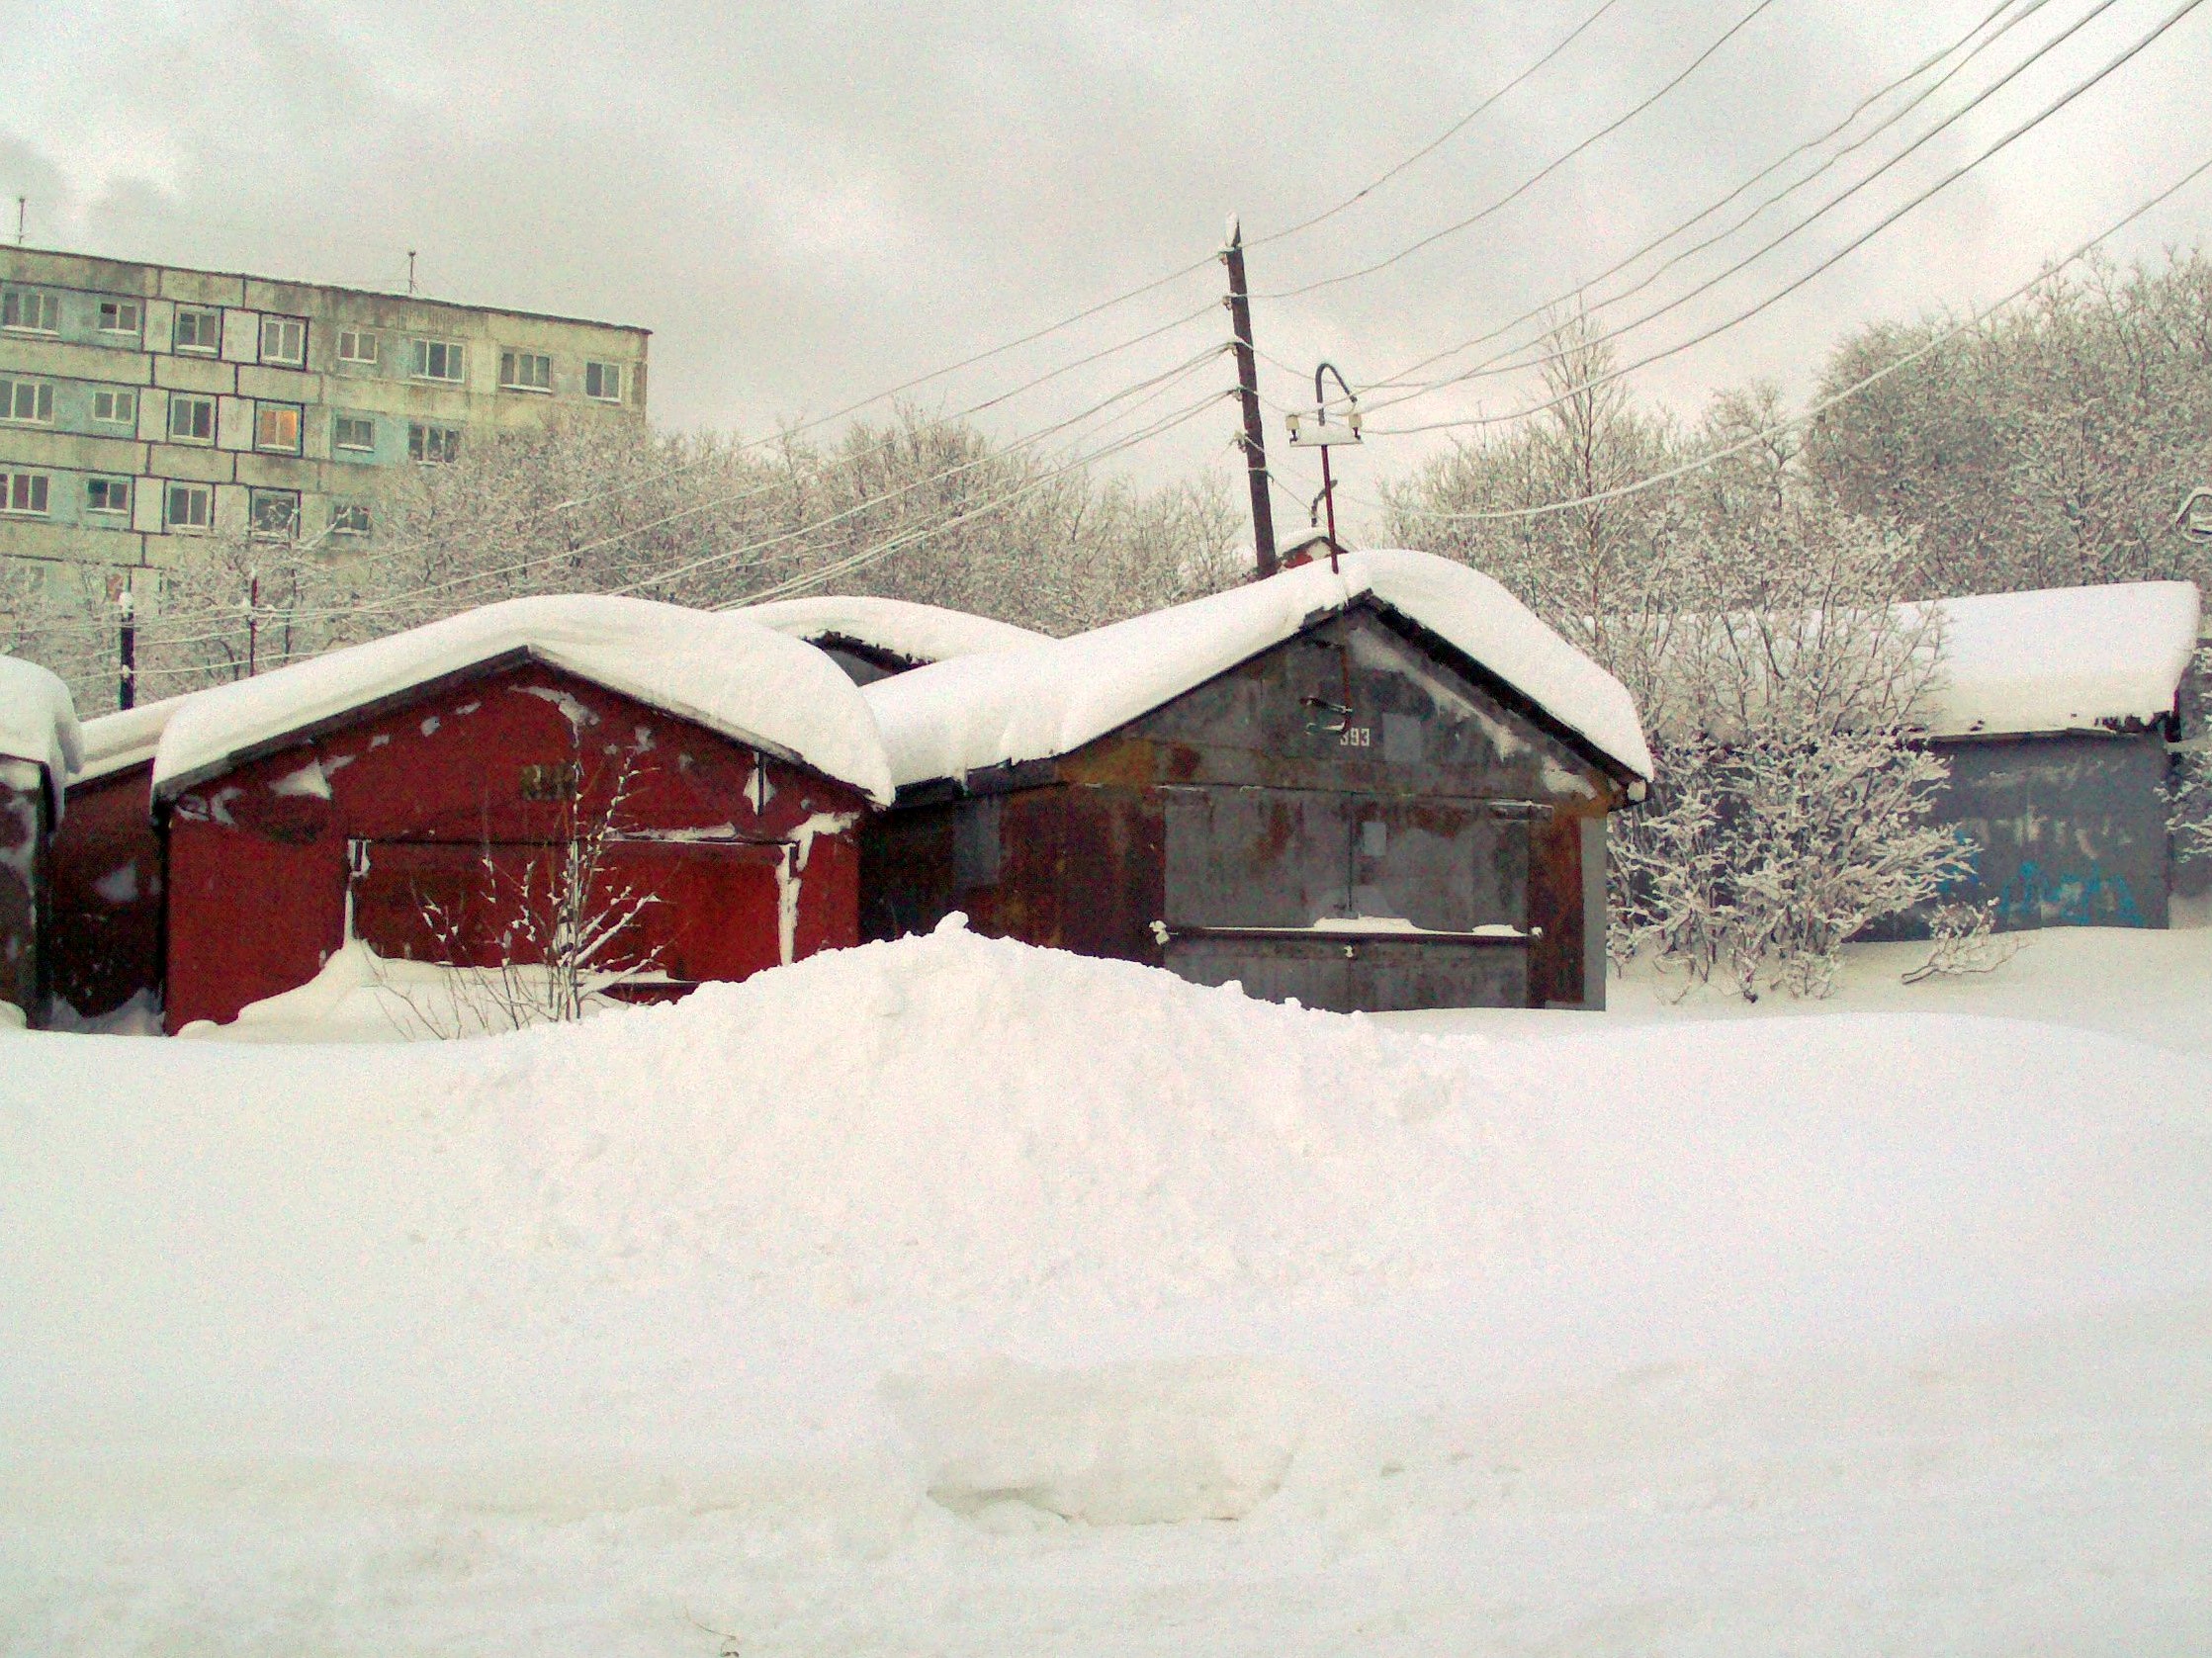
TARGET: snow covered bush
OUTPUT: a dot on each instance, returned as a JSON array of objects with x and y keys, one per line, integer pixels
[{"x": 1754, "y": 622}]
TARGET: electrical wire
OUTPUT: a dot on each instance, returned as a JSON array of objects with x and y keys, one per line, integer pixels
[
  {"x": 1853, "y": 245},
  {"x": 1502, "y": 363},
  {"x": 1534, "y": 179},
  {"x": 1817, "y": 409}
]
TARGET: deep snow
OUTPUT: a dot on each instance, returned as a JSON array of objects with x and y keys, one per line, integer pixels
[{"x": 870, "y": 1305}]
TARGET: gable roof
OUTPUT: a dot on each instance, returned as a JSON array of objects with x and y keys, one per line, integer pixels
[
  {"x": 1050, "y": 699},
  {"x": 39, "y": 722},
  {"x": 2065, "y": 659},
  {"x": 912, "y": 633},
  {"x": 731, "y": 677}
]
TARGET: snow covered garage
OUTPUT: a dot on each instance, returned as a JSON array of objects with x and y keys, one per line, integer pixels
[
  {"x": 2055, "y": 710},
  {"x": 1383, "y": 789},
  {"x": 38, "y": 752},
  {"x": 417, "y": 795},
  {"x": 104, "y": 926},
  {"x": 874, "y": 638}
]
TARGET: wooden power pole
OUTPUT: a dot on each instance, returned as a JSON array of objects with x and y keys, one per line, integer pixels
[{"x": 1248, "y": 391}]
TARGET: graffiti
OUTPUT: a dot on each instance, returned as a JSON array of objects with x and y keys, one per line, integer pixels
[{"x": 2035, "y": 896}]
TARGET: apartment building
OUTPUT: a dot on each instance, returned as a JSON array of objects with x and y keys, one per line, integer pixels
[{"x": 142, "y": 405}]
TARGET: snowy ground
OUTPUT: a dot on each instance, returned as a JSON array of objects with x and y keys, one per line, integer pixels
[{"x": 953, "y": 1297}]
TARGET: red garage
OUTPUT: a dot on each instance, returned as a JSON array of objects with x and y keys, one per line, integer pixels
[
  {"x": 104, "y": 929},
  {"x": 648, "y": 794}
]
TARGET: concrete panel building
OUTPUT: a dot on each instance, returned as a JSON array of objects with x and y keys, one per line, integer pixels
[{"x": 142, "y": 405}]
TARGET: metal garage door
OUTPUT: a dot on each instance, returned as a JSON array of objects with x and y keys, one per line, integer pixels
[{"x": 1349, "y": 901}]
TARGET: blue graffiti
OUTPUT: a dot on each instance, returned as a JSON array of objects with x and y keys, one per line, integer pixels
[{"x": 2033, "y": 898}]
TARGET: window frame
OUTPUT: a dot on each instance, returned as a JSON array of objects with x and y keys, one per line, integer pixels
[
  {"x": 598, "y": 369},
  {"x": 41, "y": 400},
  {"x": 425, "y": 436},
  {"x": 257, "y": 498},
  {"x": 47, "y": 302},
  {"x": 136, "y": 309},
  {"x": 262, "y": 410},
  {"x": 30, "y": 485},
  {"x": 357, "y": 335},
  {"x": 115, "y": 393},
  {"x": 352, "y": 518},
  {"x": 107, "y": 487},
  {"x": 198, "y": 348},
  {"x": 513, "y": 359},
  {"x": 279, "y": 320},
  {"x": 338, "y": 424},
  {"x": 421, "y": 356},
  {"x": 171, "y": 489},
  {"x": 203, "y": 399}
]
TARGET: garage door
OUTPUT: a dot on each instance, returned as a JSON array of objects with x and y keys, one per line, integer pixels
[
  {"x": 1349, "y": 901},
  {"x": 702, "y": 910}
]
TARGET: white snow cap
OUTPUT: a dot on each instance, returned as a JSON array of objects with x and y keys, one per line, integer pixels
[
  {"x": 127, "y": 738},
  {"x": 917, "y": 632},
  {"x": 39, "y": 722},
  {"x": 728, "y": 675},
  {"x": 1052, "y": 698},
  {"x": 2067, "y": 659}
]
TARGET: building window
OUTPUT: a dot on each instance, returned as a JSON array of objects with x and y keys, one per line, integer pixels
[
  {"x": 439, "y": 443},
  {"x": 356, "y": 345},
  {"x": 349, "y": 518},
  {"x": 272, "y": 514},
  {"x": 525, "y": 370},
  {"x": 23, "y": 492},
  {"x": 284, "y": 339},
  {"x": 354, "y": 432},
  {"x": 437, "y": 360},
  {"x": 188, "y": 506},
  {"x": 119, "y": 316},
  {"x": 26, "y": 399},
  {"x": 118, "y": 407},
  {"x": 603, "y": 381},
  {"x": 31, "y": 310},
  {"x": 276, "y": 428},
  {"x": 191, "y": 419},
  {"x": 198, "y": 332},
  {"x": 106, "y": 495}
]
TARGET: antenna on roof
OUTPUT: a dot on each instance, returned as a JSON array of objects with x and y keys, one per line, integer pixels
[
  {"x": 23, "y": 204},
  {"x": 410, "y": 270}
]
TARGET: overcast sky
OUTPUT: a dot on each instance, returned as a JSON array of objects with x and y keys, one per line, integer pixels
[{"x": 810, "y": 203}]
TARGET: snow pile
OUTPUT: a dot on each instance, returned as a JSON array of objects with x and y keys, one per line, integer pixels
[
  {"x": 732, "y": 676},
  {"x": 2068, "y": 659},
  {"x": 114, "y": 741},
  {"x": 39, "y": 722},
  {"x": 914, "y": 633},
  {"x": 958, "y": 717}
]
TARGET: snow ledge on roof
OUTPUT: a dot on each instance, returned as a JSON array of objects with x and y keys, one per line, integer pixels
[
  {"x": 730, "y": 676},
  {"x": 1051, "y": 698},
  {"x": 39, "y": 723},
  {"x": 916, "y": 633},
  {"x": 2065, "y": 659},
  {"x": 130, "y": 737}
]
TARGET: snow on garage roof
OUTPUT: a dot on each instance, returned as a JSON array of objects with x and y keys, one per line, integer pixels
[
  {"x": 39, "y": 722},
  {"x": 914, "y": 633},
  {"x": 2067, "y": 659},
  {"x": 728, "y": 675},
  {"x": 127, "y": 738},
  {"x": 1049, "y": 699}
]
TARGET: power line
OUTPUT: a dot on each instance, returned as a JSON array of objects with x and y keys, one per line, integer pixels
[
  {"x": 1499, "y": 363},
  {"x": 1399, "y": 377},
  {"x": 1534, "y": 179},
  {"x": 1848, "y": 248},
  {"x": 1817, "y": 409}
]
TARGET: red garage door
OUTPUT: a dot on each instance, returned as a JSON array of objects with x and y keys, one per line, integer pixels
[{"x": 702, "y": 910}]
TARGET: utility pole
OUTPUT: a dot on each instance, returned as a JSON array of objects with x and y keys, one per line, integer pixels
[
  {"x": 127, "y": 648},
  {"x": 1248, "y": 391},
  {"x": 253, "y": 622}
]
